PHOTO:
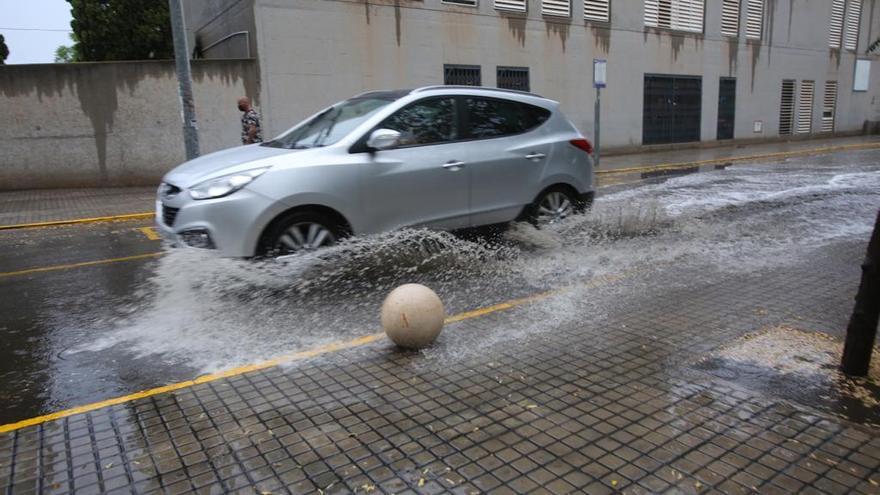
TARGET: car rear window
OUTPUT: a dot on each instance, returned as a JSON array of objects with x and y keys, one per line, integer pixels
[{"x": 492, "y": 117}]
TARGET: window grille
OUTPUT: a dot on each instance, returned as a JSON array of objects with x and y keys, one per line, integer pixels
[
  {"x": 461, "y": 75},
  {"x": 513, "y": 78},
  {"x": 805, "y": 108},
  {"x": 597, "y": 10},
  {"x": 786, "y": 107},
  {"x": 730, "y": 18},
  {"x": 680, "y": 15}
]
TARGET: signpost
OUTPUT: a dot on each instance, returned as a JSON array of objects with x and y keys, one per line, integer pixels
[
  {"x": 184, "y": 78},
  {"x": 599, "y": 72}
]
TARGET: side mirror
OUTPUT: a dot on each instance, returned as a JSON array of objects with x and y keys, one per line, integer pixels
[{"x": 383, "y": 139}]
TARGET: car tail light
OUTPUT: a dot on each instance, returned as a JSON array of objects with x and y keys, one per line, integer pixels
[{"x": 582, "y": 144}]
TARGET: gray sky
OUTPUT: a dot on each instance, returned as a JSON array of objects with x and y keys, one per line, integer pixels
[{"x": 40, "y": 27}]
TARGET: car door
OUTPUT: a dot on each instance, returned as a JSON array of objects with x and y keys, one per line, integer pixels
[
  {"x": 507, "y": 156},
  {"x": 423, "y": 181}
]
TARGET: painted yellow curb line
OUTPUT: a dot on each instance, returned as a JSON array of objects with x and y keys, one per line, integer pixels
[
  {"x": 318, "y": 351},
  {"x": 114, "y": 218},
  {"x": 781, "y": 154},
  {"x": 79, "y": 265}
]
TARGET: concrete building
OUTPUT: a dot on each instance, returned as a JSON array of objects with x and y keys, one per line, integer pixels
[{"x": 678, "y": 70}]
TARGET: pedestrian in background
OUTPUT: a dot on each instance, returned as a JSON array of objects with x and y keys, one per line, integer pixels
[{"x": 251, "y": 131}]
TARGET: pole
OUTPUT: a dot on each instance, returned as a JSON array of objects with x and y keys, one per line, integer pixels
[
  {"x": 596, "y": 127},
  {"x": 862, "y": 327},
  {"x": 184, "y": 78}
]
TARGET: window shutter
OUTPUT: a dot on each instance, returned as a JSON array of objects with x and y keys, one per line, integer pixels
[
  {"x": 786, "y": 107},
  {"x": 681, "y": 15},
  {"x": 805, "y": 108},
  {"x": 597, "y": 10},
  {"x": 556, "y": 7},
  {"x": 835, "y": 24},
  {"x": 829, "y": 102},
  {"x": 514, "y": 5},
  {"x": 730, "y": 18},
  {"x": 851, "y": 31},
  {"x": 754, "y": 19}
]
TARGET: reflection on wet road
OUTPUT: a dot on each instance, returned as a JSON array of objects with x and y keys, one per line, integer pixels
[{"x": 74, "y": 336}]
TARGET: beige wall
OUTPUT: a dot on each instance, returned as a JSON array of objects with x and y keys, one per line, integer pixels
[
  {"x": 315, "y": 52},
  {"x": 117, "y": 123}
]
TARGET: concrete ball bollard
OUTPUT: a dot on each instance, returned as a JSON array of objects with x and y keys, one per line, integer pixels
[{"x": 413, "y": 316}]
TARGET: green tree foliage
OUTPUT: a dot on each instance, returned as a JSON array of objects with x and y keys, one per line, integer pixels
[
  {"x": 66, "y": 54},
  {"x": 121, "y": 30},
  {"x": 4, "y": 50}
]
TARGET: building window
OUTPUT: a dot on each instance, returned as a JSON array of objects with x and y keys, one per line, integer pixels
[
  {"x": 560, "y": 8},
  {"x": 680, "y": 15},
  {"x": 730, "y": 18},
  {"x": 786, "y": 107},
  {"x": 597, "y": 10},
  {"x": 514, "y": 5},
  {"x": 805, "y": 107},
  {"x": 829, "y": 102},
  {"x": 513, "y": 78},
  {"x": 835, "y": 24},
  {"x": 851, "y": 28},
  {"x": 754, "y": 19},
  {"x": 461, "y": 75}
]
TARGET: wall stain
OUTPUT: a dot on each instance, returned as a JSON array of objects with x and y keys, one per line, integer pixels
[
  {"x": 562, "y": 29},
  {"x": 732, "y": 56},
  {"x": 770, "y": 12},
  {"x": 397, "y": 20},
  {"x": 790, "y": 15},
  {"x": 834, "y": 55},
  {"x": 601, "y": 37},
  {"x": 676, "y": 42},
  {"x": 367, "y": 10},
  {"x": 517, "y": 26},
  {"x": 755, "y": 47},
  {"x": 871, "y": 24}
]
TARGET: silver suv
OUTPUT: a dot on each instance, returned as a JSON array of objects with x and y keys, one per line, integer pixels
[{"x": 442, "y": 157}]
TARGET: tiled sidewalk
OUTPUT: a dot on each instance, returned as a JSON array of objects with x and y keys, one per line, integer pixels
[
  {"x": 609, "y": 403},
  {"x": 34, "y": 206}
]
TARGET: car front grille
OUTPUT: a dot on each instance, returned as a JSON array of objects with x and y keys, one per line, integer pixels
[{"x": 169, "y": 214}]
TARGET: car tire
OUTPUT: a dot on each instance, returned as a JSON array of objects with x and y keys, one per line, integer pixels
[
  {"x": 298, "y": 232},
  {"x": 553, "y": 205}
]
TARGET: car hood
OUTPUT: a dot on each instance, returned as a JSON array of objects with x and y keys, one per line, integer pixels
[{"x": 223, "y": 162}]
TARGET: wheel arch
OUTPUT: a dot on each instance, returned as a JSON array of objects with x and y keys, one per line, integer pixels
[{"x": 339, "y": 219}]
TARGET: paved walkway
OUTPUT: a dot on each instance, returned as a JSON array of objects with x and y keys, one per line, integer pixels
[
  {"x": 37, "y": 206},
  {"x": 614, "y": 402}
]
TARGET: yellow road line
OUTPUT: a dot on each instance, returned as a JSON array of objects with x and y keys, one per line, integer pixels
[
  {"x": 781, "y": 154},
  {"x": 151, "y": 233},
  {"x": 317, "y": 351},
  {"x": 78, "y": 265},
  {"x": 113, "y": 218}
]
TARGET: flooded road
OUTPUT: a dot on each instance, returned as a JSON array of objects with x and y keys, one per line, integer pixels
[{"x": 91, "y": 333}]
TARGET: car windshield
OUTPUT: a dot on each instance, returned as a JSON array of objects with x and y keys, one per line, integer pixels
[{"x": 331, "y": 125}]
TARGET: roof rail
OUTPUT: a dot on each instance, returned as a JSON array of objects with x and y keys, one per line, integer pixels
[{"x": 446, "y": 86}]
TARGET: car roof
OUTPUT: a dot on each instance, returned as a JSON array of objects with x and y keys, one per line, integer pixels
[
  {"x": 474, "y": 88},
  {"x": 401, "y": 93}
]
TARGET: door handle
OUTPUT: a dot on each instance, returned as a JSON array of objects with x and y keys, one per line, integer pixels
[
  {"x": 453, "y": 165},
  {"x": 535, "y": 156}
]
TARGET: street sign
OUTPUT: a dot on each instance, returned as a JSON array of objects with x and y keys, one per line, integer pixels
[{"x": 599, "y": 72}]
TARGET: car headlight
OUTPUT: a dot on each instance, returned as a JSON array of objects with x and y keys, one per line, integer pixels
[{"x": 222, "y": 186}]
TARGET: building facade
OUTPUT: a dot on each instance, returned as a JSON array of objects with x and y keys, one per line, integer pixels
[{"x": 678, "y": 70}]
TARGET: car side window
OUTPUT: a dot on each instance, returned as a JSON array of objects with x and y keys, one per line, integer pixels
[
  {"x": 490, "y": 117},
  {"x": 429, "y": 121}
]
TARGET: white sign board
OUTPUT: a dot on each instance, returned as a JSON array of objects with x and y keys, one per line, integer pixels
[
  {"x": 863, "y": 75},
  {"x": 599, "y": 72}
]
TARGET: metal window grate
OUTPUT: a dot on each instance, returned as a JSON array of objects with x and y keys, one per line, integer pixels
[
  {"x": 680, "y": 15},
  {"x": 560, "y": 8},
  {"x": 461, "y": 75},
  {"x": 851, "y": 29},
  {"x": 829, "y": 102},
  {"x": 754, "y": 19},
  {"x": 513, "y": 78},
  {"x": 786, "y": 107},
  {"x": 730, "y": 18},
  {"x": 597, "y": 10},
  {"x": 514, "y": 5},
  {"x": 805, "y": 107},
  {"x": 835, "y": 23}
]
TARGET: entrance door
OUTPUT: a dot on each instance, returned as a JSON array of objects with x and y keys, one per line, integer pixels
[
  {"x": 672, "y": 109},
  {"x": 726, "y": 107}
]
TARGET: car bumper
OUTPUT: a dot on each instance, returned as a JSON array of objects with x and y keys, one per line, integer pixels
[{"x": 231, "y": 225}]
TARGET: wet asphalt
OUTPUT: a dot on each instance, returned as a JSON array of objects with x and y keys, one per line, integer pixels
[{"x": 71, "y": 335}]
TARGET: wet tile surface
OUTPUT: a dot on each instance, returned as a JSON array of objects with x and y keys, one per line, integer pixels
[{"x": 611, "y": 403}]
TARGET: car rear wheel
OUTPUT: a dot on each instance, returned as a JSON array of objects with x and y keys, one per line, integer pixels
[
  {"x": 554, "y": 205},
  {"x": 300, "y": 232}
]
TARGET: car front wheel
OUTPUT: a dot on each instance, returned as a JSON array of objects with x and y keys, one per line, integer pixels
[{"x": 299, "y": 232}]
